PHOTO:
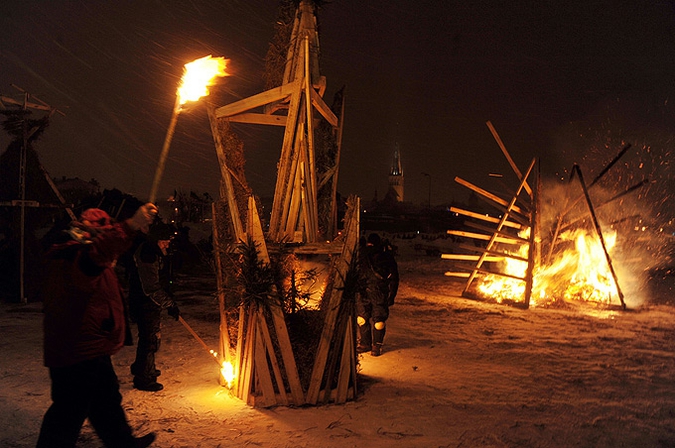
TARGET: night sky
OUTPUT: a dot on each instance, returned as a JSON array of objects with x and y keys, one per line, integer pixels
[{"x": 565, "y": 81}]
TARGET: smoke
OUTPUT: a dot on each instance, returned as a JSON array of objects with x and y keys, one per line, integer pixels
[{"x": 633, "y": 196}]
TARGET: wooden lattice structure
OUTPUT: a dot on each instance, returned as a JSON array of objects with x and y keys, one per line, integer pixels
[
  {"x": 266, "y": 368},
  {"x": 516, "y": 235},
  {"x": 512, "y": 236}
]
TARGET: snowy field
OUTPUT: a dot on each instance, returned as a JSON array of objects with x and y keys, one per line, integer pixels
[{"x": 454, "y": 373}]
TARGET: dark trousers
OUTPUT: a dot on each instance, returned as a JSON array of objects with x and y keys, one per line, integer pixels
[
  {"x": 89, "y": 389},
  {"x": 148, "y": 319},
  {"x": 372, "y": 307}
]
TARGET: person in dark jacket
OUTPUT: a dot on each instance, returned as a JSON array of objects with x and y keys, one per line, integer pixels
[
  {"x": 149, "y": 278},
  {"x": 84, "y": 325},
  {"x": 378, "y": 285}
]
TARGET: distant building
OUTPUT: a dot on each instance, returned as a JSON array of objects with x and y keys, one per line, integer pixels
[{"x": 396, "y": 177}]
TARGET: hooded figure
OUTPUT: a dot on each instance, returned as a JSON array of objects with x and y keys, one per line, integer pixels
[{"x": 377, "y": 288}]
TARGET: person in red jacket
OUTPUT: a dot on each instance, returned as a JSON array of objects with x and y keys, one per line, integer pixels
[{"x": 84, "y": 325}]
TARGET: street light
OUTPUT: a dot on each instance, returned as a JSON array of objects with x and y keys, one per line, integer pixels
[{"x": 429, "y": 177}]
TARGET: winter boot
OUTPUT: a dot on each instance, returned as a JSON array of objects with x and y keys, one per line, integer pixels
[
  {"x": 144, "y": 441},
  {"x": 378, "y": 340},
  {"x": 149, "y": 385},
  {"x": 365, "y": 336}
]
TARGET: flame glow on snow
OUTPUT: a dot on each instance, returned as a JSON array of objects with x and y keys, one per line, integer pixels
[
  {"x": 578, "y": 273},
  {"x": 198, "y": 76}
]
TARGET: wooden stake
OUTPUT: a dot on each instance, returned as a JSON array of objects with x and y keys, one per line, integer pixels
[
  {"x": 508, "y": 157},
  {"x": 598, "y": 230},
  {"x": 225, "y": 177}
]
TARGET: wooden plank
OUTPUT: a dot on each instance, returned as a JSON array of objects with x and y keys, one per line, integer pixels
[
  {"x": 487, "y": 194},
  {"x": 458, "y": 274},
  {"x": 346, "y": 363},
  {"x": 279, "y": 206},
  {"x": 323, "y": 108},
  {"x": 334, "y": 205},
  {"x": 255, "y": 231},
  {"x": 291, "y": 62},
  {"x": 324, "y": 248},
  {"x": 261, "y": 366},
  {"x": 533, "y": 248},
  {"x": 239, "y": 354},
  {"x": 292, "y": 217},
  {"x": 287, "y": 355},
  {"x": 342, "y": 266},
  {"x": 501, "y": 274},
  {"x": 252, "y": 118},
  {"x": 482, "y": 236},
  {"x": 465, "y": 257},
  {"x": 259, "y": 100},
  {"x": 330, "y": 395},
  {"x": 514, "y": 167},
  {"x": 311, "y": 209},
  {"x": 281, "y": 397},
  {"x": 233, "y": 208},
  {"x": 494, "y": 253},
  {"x": 246, "y": 373},
  {"x": 483, "y": 217},
  {"x": 497, "y": 232}
]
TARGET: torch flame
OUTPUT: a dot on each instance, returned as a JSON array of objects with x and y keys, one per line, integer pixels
[{"x": 198, "y": 76}]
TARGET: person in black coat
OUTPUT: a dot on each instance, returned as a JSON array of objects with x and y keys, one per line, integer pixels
[
  {"x": 377, "y": 288},
  {"x": 149, "y": 280}
]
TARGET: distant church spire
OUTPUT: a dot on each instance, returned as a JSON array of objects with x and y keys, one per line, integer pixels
[{"x": 396, "y": 176}]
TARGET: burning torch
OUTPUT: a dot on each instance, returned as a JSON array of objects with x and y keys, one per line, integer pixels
[{"x": 198, "y": 76}]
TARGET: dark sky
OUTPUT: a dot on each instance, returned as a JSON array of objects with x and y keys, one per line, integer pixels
[{"x": 564, "y": 81}]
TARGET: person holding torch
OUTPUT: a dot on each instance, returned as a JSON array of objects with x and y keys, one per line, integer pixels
[{"x": 84, "y": 325}]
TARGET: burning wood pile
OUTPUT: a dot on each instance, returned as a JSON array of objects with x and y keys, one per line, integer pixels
[{"x": 539, "y": 251}]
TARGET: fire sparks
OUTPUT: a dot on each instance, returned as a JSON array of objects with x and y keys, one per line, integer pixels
[
  {"x": 198, "y": 76},
  {"x": 577, "y": 273}
]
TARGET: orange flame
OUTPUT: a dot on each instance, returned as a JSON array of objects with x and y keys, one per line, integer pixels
[
  {"x": 226, "y": 370},
  {"x": 198, "y": 76},
  {"x": 579, "y": 273}
]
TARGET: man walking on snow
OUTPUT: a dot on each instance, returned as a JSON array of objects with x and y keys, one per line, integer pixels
[{"x": 377, "y": 288}]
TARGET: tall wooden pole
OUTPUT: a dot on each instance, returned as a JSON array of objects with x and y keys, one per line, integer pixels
[{"x": 165, "y": 151}]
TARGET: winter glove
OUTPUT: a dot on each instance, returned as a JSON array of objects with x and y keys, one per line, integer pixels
[
  {"x": 143, "y": 217},
  {"x": 174, "y": 311}
]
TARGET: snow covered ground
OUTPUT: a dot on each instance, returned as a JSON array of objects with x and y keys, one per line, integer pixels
[{"x": 454, "y": 373}]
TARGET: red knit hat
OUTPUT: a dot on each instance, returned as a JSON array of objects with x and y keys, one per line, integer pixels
[{"x": 96, "y": 219}]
